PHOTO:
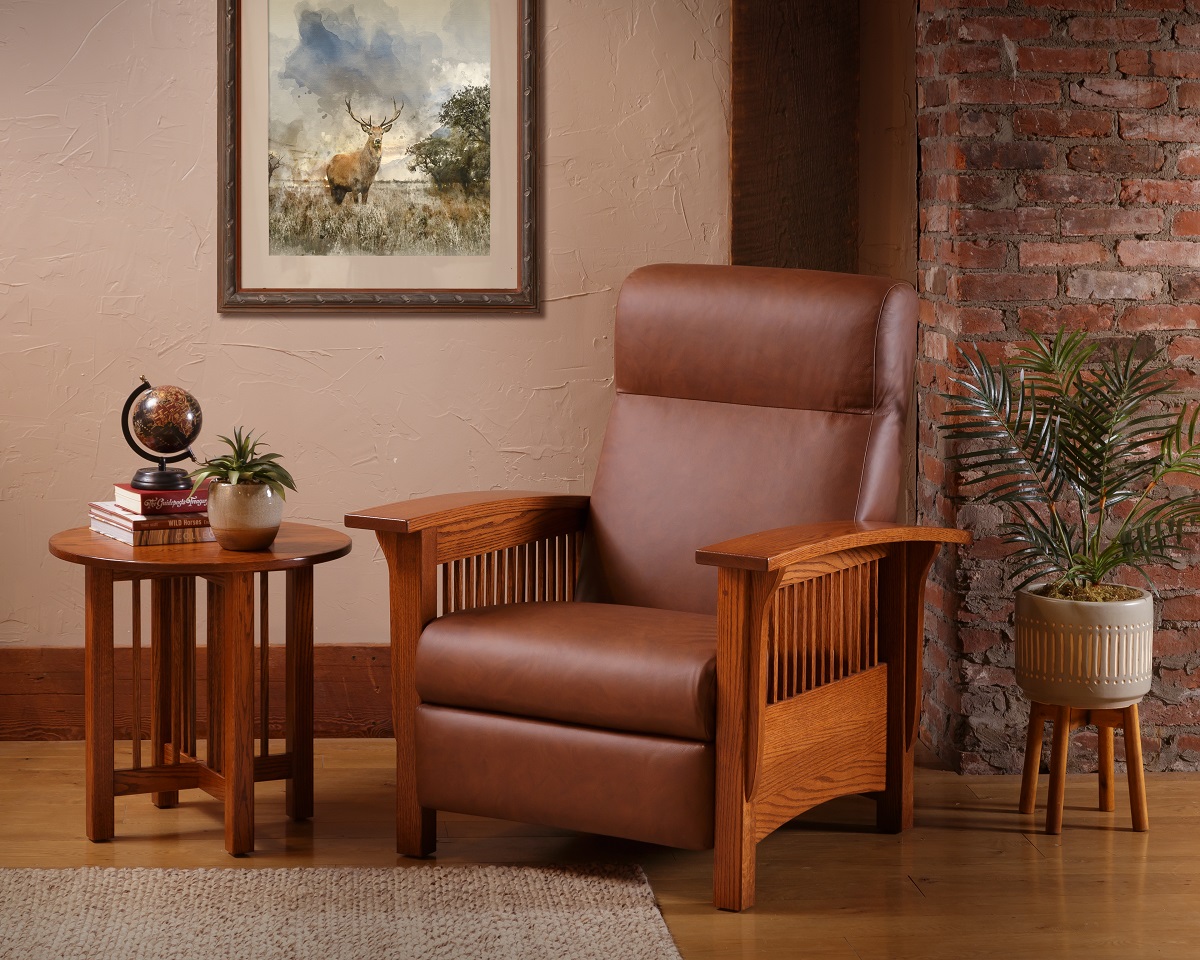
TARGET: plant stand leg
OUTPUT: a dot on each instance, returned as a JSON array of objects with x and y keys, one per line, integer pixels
[
  {"x": 1108, "y": 798},
  {"x": 1038, "y": 714},
  {"x": 1133, "y": 769},
  {"x": 1058, "y": 769}
]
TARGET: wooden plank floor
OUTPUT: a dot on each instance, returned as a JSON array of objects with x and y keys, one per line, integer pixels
[{"x": 973, "y": 879}]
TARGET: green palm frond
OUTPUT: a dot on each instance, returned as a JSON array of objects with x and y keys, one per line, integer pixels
[
  {"x": 1006, "y": 435},
  {"x": 1055, "y": 366},
  {"x": 1113, "y": 427},
  {"x": 1061, "y": 436},
  {"x": 1180, "y": 449}
]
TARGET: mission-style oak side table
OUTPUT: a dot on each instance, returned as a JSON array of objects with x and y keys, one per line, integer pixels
[{"x": 230, "y": 768}]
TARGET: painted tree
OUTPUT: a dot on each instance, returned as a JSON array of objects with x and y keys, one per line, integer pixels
[{"x": 460, "y": 151}]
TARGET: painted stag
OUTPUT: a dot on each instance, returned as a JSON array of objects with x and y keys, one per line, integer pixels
[{"x": 353, "y": 173}]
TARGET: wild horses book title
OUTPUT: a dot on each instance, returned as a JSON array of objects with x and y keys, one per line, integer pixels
[{"x": 379, "y": 128}]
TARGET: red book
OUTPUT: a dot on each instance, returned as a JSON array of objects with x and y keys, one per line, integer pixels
[
  {"x": 145, "y": 502},
  {"x": 110, "y": 511}
]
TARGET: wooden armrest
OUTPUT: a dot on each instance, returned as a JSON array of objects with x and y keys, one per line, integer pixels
[
  {"x": 452, "y": 509},
  {"x": 775, "y": 549}
]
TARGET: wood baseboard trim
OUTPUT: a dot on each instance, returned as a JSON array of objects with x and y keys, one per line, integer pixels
[{"x": 41, "y": 692}]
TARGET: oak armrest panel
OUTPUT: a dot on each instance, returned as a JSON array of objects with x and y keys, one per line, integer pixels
[
  {"x": 773, "y": 549},
  {"x": 451, "y": 509}
]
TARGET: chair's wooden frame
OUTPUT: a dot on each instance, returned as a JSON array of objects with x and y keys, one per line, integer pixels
[{"x": 819, "y": 634}]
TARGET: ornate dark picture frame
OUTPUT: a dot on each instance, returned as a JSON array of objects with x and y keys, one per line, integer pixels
[{"x": 409, "y": 293}]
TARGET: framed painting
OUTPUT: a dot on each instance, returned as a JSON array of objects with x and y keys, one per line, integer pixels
[{"x": 377, "y": 155}]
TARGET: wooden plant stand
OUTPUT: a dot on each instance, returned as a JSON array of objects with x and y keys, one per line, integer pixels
[{"x": 1065, "y": 720}]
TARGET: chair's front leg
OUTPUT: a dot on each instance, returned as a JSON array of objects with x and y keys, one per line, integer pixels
[
  {"x": 742, "y": 599},
  {"x": 412, "y": 590},
  {"x": 734, "y": 840}
]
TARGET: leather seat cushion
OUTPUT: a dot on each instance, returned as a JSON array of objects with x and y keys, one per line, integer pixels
[{"x": 598, "y": 664}]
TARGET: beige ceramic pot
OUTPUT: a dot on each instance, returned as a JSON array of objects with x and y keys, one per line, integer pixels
[
  {"x": 1079, "y": 654},
  {"x": 244, "y": 516}
]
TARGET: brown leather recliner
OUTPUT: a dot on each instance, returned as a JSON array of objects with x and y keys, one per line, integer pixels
[{"x": 579, "y": 662}]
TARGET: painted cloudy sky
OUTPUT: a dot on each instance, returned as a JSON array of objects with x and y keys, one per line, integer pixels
[{"x": 416, "y": 51}]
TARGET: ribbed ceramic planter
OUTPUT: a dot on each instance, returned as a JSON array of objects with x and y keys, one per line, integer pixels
[
  {"x": 1079, "y": 654},
  {"x": 244, "y": 516}
]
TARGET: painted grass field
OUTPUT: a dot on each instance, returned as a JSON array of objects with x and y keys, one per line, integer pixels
[{"x": 398, "y": 219}]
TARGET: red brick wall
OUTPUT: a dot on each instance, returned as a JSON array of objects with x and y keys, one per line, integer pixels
[{"x": 1060, "y": 187}]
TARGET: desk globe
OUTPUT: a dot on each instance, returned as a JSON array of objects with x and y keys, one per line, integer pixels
[{"x": 161, "y": 424}]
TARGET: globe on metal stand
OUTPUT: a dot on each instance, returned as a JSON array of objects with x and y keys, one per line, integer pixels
[{"x": 161, "y": 424}]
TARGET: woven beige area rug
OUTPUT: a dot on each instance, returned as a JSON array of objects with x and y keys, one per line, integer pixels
[{"x": 605, "y": 913}]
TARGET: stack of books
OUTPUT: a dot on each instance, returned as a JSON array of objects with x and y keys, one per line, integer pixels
[{"x": 146, "y": 517}]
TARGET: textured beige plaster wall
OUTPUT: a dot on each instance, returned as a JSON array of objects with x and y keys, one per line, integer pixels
[{"x": 108, "y": 270}]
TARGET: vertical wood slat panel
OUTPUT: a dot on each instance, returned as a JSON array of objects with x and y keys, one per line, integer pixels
[
  {"x": 778, "y": 630},
  {"x": 784, "y": 642},
  {"x": 188, "y": 591},
  {"x": 822, "y": 630},
  {"x": 864, "y": 588},
  {"x": 787, "y": 625},
  {"x": 572, "y": 564},
  {"x": 537, "y": 578},
  {"x": 772, "y": 658},
  {"x": 560, "y": 572},
  {"x": 264, "y": 669},
  {"x": 822, "y": 643},
  {"x": 838, "y": 670},
  {"x": 522, "y": 559},
  {"x": 876, "y": 611},
  {"x": 177, "y": 670},
  {"x": 136, "y": 640},
  {"x": 858, "y": 588},
  {"x": 804, "y": 602},
  {"x": 542, "y": 570}
]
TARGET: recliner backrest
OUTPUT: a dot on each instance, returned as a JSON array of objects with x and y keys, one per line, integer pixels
[{"x": 747, "y": 398}]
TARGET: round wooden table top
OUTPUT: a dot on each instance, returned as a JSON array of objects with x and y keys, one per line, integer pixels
[{"x": 297, "y": 545}]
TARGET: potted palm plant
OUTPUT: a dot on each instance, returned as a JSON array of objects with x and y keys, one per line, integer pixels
[
  {"x": 1079, "y": 447},
  {"x": 245, "y": 498}
]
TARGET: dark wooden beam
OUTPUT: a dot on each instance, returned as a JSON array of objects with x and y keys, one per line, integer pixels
[{"x": 794, "y": 150}]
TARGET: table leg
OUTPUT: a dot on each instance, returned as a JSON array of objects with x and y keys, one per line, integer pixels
[
  {"x": 98, "y": 703},
  {"x": 299, "y": 789},
  {"x": 185, "y": 614},
  {"x": 172, "y": 643},
  {"x": 216, "y": 676},
  {"x": 161, "y": 671},
  {"x": 237, "y": 666}
]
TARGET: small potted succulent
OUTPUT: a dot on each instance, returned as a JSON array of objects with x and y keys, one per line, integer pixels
[
  {"x": 245, "y": 498},
  {"x": 1079, "y": 448}
]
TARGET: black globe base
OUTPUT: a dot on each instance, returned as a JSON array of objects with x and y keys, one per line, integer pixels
[{"x": 161, "y": 478}]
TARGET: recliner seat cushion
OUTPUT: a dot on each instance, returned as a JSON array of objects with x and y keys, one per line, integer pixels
[{"x": 596, "y": 664}]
